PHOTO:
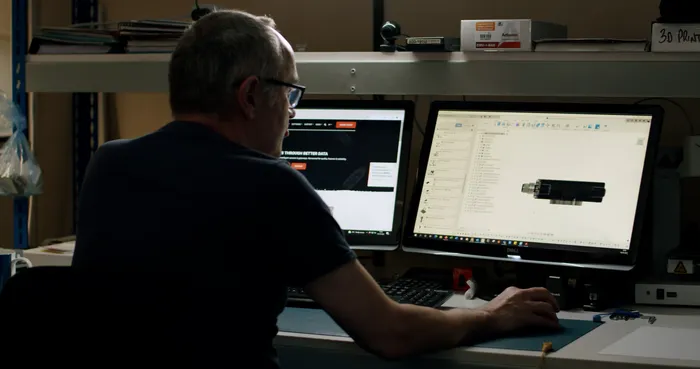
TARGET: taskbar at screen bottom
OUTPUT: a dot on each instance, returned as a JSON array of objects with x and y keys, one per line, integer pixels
[
  {"x": 491, "y": 241},
  {"x": 499, "y": 243},
  {"x": 372, "y": 240},
  {"x": 356, "y": 232}
]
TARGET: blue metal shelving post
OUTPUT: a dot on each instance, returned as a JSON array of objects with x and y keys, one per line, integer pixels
[
  {"x": 85, "y": 113},
  {"x": 20, "y": 35}
]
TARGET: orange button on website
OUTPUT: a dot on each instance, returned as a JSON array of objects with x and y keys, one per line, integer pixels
[
  {"x": 299, "y": 166},
  {"x": 346, "y": 125}
]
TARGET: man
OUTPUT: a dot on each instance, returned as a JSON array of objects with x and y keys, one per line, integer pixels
[{"x": 208, "y": 195}]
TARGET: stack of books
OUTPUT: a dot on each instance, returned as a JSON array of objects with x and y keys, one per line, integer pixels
[
  {"x": 75, "y": 40},
  {"x": 151, "y": 36},
  {"x": 137, "y": 36}
]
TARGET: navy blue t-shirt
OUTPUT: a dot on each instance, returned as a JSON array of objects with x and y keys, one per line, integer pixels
[{"x": 244, "y": 225}]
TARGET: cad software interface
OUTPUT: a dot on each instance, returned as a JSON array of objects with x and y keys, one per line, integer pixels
[
  {"x": 528, "y": 179},
  {"x": 351, "y": 157}
]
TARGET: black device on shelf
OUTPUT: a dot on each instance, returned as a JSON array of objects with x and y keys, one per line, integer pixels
[
  {"x": 390, "y": 32},
  {"x": 200, "y": 11},
  {"x": 403, "y": 290},
  {"x": 589, "y": 167},
  {"x": 355, "y": 153}
]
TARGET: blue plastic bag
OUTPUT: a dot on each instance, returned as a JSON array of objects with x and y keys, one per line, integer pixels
[{"x": 20, "y": 174}]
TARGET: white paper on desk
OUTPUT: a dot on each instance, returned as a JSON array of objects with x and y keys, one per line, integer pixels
[
  {"x": 658, "y": 342},
  {"x": 67, "y": 247}
]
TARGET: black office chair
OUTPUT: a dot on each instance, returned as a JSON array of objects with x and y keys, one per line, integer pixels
[{"x": 65, "y": 315}]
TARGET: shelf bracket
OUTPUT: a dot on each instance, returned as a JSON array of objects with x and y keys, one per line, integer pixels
[
  {"x": 85, "y": 113},
  {"x": 20, "y": 36}
]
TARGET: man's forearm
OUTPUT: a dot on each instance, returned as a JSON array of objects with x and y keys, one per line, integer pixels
[{"x": 421, "y": 329}]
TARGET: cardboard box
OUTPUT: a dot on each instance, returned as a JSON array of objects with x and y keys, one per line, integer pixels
[{"x": 507, "y": 34}]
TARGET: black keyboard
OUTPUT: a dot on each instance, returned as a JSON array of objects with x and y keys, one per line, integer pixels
[{"x": 403, "y": 291}]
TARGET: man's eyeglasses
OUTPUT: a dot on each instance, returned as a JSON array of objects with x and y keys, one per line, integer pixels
[{"x": 295, "y": 93}]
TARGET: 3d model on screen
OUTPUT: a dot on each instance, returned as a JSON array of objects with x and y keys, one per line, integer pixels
[{"x": 565, "y": 192}]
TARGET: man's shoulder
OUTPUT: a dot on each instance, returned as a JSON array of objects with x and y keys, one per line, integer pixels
[
  {"x": 113, "y": 145},
  {"x": 110, "y": 149},
  {"x": 225, "y": 158}
]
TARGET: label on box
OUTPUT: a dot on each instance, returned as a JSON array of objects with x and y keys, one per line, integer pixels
[
  {"x": 675, "y": 37},
  {"x": 497, "y": 35}
]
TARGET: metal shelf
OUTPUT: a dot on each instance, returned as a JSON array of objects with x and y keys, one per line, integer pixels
[{"x": 478, "y": 74}]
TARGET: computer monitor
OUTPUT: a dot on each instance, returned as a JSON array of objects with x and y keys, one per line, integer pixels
[
  {"x": 355, "y": 154},
  {"x": 548, "y": 183}
]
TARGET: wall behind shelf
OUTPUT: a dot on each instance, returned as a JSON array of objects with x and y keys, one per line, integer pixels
[{"x": 320, "y": 25}]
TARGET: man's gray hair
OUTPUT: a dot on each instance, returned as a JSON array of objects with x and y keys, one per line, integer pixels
[{"x": 217, "y": 53}]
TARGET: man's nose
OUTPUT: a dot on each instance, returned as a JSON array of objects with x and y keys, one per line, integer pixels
[{"x": 292, "y": 113}]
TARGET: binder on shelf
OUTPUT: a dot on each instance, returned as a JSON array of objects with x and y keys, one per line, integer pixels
[
  {"x": 75, "y": 40},
  {"x": 48, "y": 47},
  {"x": 151, "y": 36},
  {"x": 136, "y": 36}
]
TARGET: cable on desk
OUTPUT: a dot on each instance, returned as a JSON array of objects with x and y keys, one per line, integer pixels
[{"x": 624, "y": 314}]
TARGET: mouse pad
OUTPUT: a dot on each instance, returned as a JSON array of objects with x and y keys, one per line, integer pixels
[{"x": 316, "y": 321}]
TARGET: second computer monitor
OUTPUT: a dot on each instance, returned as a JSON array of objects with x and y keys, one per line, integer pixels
[
  {"x": 355, "y": 154},
  {"x": 545, "y": 183}
]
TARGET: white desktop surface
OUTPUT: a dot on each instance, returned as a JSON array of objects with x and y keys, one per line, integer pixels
[
  {"x": 60, "y": 254},
  {"x": 580, "y": 354}
]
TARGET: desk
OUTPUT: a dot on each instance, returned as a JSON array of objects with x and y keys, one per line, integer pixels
[
  {"x": 60, "y": 254},
  {"x": 311, "y": 351}
]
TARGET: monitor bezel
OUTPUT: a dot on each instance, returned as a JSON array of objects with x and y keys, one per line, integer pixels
[
  {"x": 373, "y": 242},
  {"x": 594, "y": 258}
]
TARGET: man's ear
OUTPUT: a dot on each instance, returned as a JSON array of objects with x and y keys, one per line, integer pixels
[{"x": 246, "y": 96}]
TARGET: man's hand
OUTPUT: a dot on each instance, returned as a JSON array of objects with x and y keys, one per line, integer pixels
[
  {"x": 391, "y": 330},
  {"x": 516, "y": 309},
  {"x": 386, "y": 328}
]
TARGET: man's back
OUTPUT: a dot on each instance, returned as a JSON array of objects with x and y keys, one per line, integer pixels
[
  {"x": 183, "y": 200},
  {"x": 180, "y": 188}
]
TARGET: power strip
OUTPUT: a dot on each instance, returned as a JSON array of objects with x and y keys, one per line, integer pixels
[{"x": 672, "y": 293}]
